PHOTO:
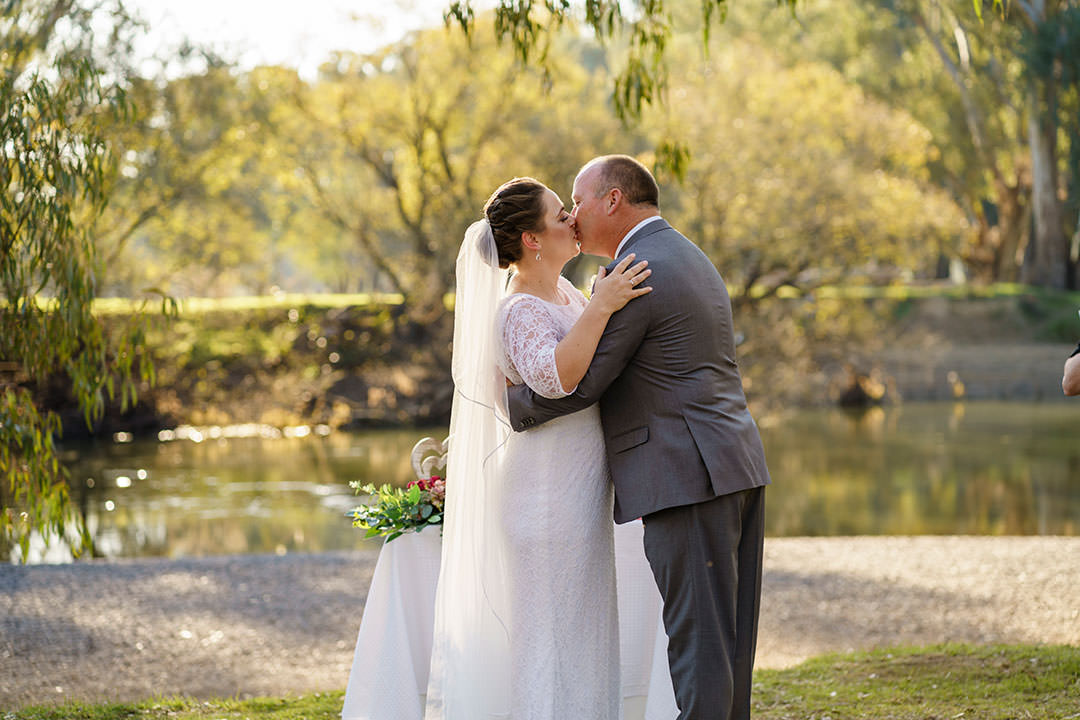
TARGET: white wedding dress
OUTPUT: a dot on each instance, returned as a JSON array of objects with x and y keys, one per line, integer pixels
[{"x": 564, "y": 628}]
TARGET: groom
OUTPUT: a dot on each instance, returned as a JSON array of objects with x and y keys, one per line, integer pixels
[{"x": 684, "y": 453}]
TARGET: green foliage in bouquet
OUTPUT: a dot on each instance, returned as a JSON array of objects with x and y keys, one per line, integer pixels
[{"x": 395, "y": 511}]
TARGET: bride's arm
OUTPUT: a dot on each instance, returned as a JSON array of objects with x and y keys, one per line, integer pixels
[
  {"x": 610, "y": 293},
  {"x": 625, "y": 331}
]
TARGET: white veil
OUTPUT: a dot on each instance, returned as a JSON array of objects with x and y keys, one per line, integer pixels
[{"x": 469, "y": 678}]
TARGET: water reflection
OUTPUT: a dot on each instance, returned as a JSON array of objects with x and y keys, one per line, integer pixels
[
  {"x": 986, "y": 469},
  {"x": 917, "y": 469},
  {"x": 229, "y": 495}
]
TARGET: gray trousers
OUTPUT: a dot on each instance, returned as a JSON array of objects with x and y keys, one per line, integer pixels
[{"x": 706, "y": 559}]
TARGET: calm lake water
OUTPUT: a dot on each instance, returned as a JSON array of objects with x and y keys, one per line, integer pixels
[{"x": 985, "y": 469}]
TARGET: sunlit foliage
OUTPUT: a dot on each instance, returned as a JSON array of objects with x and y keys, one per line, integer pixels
[{"x": 54, "y": 171}]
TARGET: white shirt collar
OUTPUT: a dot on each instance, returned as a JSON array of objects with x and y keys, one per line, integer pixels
[{"x": 633, "y": 230}]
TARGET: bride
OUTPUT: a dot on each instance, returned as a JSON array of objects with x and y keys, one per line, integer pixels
[{"x": 526, "y": 624}]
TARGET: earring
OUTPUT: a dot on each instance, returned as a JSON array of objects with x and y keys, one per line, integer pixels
[{"x": 538, "y": 255}]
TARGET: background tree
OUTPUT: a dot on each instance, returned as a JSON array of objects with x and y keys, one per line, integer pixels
[
  {"x": 193, "y": 209},
  {"x": 54, "y": 168},
  {"x": 1011, "y": 71},
  {"x": 799, "y": 178},
  {"x": 1051, "y": 38},
  {"x": 399, "y": 149},
  {"x": 978, "y": 150},
  {"x": 363, "y": 178},
  {"x": 987, "y": 50},
  {"x": 360, "y": 180}
]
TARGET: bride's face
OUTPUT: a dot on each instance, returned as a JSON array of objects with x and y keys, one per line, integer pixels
[{"x": 558, "y": 241}]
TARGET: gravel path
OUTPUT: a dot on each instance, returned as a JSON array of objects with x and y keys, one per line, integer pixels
[{"x": 266, "y": 625}]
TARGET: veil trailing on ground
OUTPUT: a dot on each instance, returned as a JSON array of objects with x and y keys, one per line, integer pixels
[{"x": 470, "y": 660}]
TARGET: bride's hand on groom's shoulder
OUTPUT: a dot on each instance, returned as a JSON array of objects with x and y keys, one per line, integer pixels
[{"x": 612, "y": 291}]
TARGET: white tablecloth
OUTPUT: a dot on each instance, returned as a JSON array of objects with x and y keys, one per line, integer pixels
[{"x": 390, "y": 667}]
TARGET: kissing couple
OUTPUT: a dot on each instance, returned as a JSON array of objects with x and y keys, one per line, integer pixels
[{"x": 567, "y": 410}]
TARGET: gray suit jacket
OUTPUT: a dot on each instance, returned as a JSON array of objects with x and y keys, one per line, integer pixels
[{"x": 675, "y": 420}]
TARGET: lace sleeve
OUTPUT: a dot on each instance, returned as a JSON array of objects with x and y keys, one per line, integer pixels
[{"x": 529, "y": 338}]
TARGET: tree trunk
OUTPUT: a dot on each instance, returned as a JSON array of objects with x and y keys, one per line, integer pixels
[
  {"x": 1013, "y": 218},
  {"x": 1002, "y": 229},
  {"x": 1047, "y": 262}
]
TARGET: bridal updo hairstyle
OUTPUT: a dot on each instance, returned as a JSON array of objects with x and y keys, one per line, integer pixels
[{"x": 517, "y": 206}]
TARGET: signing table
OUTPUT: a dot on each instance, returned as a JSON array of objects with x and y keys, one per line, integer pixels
[{"x": 389, "y": 674}]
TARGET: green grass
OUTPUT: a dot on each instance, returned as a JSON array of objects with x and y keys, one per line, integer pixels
[
  {"x": 945, "y": 682},
  {"x": 942, "y": 682},
  {"x": 196, "y": 306},
  {"x": 955, "y": 292},
  {"x": 318, "y": 706}
]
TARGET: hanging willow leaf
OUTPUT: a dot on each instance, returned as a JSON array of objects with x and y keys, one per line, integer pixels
[{"x": 55, "y": 172}]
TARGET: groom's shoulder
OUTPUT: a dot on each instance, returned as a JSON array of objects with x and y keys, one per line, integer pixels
[
  {"x": 668, "y": 243},
  {"x": 670, "y": 229},
  {"x": 679, "y": 265},
  {"x": 656, "y": 234}
]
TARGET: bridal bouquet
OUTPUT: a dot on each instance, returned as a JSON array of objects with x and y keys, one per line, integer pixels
[
  {"x": 395, "y": 511},
  {"x": 400, "y": 510}
]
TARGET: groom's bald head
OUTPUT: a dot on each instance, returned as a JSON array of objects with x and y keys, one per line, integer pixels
[{"x": 635, "y": 181}]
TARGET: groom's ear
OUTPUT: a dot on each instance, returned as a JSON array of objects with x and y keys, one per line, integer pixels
[{"x": 613, "y": 200}]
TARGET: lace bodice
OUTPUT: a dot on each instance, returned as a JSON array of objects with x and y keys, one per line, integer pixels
[{"x": 530, "y": 329}]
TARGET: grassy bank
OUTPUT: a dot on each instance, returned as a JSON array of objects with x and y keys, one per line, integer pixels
[
  {"x": 122, "y": 306},
  {"x": 198, "y": 306},
  {"x": 949, "y": 681},
  {"x": 358, "y": 360},
  {"x": 344, "y": 361}
]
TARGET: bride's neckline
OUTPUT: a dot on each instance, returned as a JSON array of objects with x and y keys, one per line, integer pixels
[{"x": 561, "y": 294}]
